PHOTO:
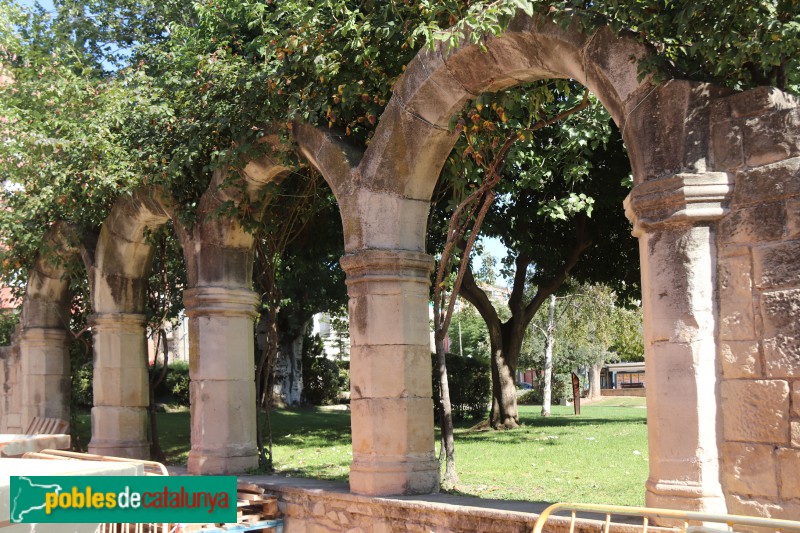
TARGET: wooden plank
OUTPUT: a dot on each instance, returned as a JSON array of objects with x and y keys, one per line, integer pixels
[{"x": 249, "y": 487}]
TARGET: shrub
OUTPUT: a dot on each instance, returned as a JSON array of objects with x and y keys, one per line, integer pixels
[
  {"x": 322, "y": 377},
  {"x": 175, "y": 387},
  {"x": 82, "y": 392},
  {"x": 8, "y": 323},
  {"x": 562, "y": 388},
  {"x": 470, "y": 387},
  {"x": 81, "y": 373},
  {"x": 530, "y": 397}
]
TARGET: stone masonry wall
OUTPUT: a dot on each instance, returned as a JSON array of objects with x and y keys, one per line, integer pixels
[
  {"x": 310, "y": 506},
  {"x": 10, "y": 385},
  {"x": 756, "y": 138}
]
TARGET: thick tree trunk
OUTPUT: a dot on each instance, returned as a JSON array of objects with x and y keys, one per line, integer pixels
[
  {"x": 504, "y": 413},
  {"x": 548, "y": 357},
  {"x": 594, "y": 381},
  {"x": 289, "y": 368}
]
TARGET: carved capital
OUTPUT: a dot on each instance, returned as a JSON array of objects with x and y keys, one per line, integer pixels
[
  {"x": 117, "y": 322},
  {"x": 43, "y": 336},
  {"x": 206, "y": 301},
  {"x": 372, "y": 265},
  {"x": 682, "y": 198}
]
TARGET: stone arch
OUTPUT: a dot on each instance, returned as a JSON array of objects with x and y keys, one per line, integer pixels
[
  {"x": 412, "y": 140},
  {"x": 685, "y": 154},
  {"x": 122, "y": 263},
  {"x": 43, "y": 337},
  {"x": 221, "y": 306},
  {"x": 384, "y": 197}
]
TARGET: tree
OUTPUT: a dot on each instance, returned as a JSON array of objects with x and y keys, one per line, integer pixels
[
  {"x": 583, "y": 329},
  {"x": 558, "y": 174}
]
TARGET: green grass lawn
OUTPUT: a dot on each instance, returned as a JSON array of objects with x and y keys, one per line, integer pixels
[{"x": 598, "y": 457}]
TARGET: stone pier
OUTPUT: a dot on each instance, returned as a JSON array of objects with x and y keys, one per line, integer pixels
[
  {"x": 390, "y": 380},
  {"x": 44, "y": 358},
  {"x": 121, "y": 393},
  {"x": 674, "y": 220},
  {"x": 222, "y": 389}
]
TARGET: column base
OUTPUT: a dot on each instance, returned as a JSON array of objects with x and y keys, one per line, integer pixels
[
  {"x": 684, "y": 496},
  {"x": 208, "y": 463},
  {"x": 382, "y": 476},
  {"x": 127, "y": 449}
]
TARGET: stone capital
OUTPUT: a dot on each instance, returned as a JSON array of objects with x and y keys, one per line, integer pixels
[
  {"x": 682, "y": 198},
  {"x": 43, "y": 336},
  {"x": 374, "y": 265},
  {"x": 221, "y": 301},
  {"x": 117, "y": 322}
]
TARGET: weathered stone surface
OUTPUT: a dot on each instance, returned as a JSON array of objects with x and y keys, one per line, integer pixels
[
  {"x": 750, "y": 469},
  {"x": 762, "y": 223},
  {"x": 392, "y": 427},
  {"x": 736, "y": 298},
  {"x": 389, "y": 371},
  {"x": 663, "y": 143},
  {"x": 740, "y": 359},
  {"x": 120, "y": 432},
  {"x": 758, "y": 101},
  {"x": 772, "y": 137},
  {"x": 782, "y": 356},
  {"x": 789, "y": 472},
  {"x": 428, "y": 89},
  {"x": 768, "y": 183},
  {"x": 796, "y": 399},
  {"x": 406, "y": 154},
  {"x": 793, "y": 219},
  {"x": 795, "y": 429},
  {"x": 726, "y": 145},
  {"x": 756, "y": 411},
  {"x": 781, "y": 311},
  {"x": 744, "y": 505},
  {"x": 775, "y": 265}
]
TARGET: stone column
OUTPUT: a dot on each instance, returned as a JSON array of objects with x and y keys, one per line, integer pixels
[
  {"x": 45, "y": 369},
  {"x": 390, "y": 373},
  {"x": 120, "y": 386},
  {"x": 674, "y": 221},
  {"x": 222, "y": 370}
]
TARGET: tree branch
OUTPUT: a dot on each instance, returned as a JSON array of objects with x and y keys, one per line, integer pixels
[
  {"x": 582, "y": 242},
  {"x": 472, "y": 293},
  {"x": 515, "y": 302}
]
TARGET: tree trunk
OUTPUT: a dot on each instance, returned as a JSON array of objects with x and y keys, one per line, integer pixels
[
  {"x": 289, "y": 368},
  {"x": 594, "y": 381},
  {"x": 448, "y": 449},
  {"x": 156, "y": 452},
  {"x": 548, "y": 357},
  {"x": 504, "y": 413}
]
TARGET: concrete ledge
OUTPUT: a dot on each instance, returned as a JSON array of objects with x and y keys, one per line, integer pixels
[{"x": 322, "y": 506}]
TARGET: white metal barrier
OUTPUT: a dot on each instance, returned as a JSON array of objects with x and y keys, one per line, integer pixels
[{"x": 692, "y": 522}]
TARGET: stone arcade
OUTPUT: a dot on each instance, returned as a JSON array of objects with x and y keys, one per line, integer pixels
[{"x": 716, "y": 208}]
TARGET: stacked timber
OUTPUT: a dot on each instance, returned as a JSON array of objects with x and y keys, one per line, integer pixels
[{"x": 255, "y": 511}]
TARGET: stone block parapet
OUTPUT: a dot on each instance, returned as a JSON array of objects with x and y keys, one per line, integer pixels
[{"x": 322, "y": 506}]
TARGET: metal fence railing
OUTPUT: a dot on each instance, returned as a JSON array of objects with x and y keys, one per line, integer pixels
[{"x": 688, "y": 521}]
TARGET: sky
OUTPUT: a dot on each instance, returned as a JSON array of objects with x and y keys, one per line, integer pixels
[{"x": 47, "y": 4}]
